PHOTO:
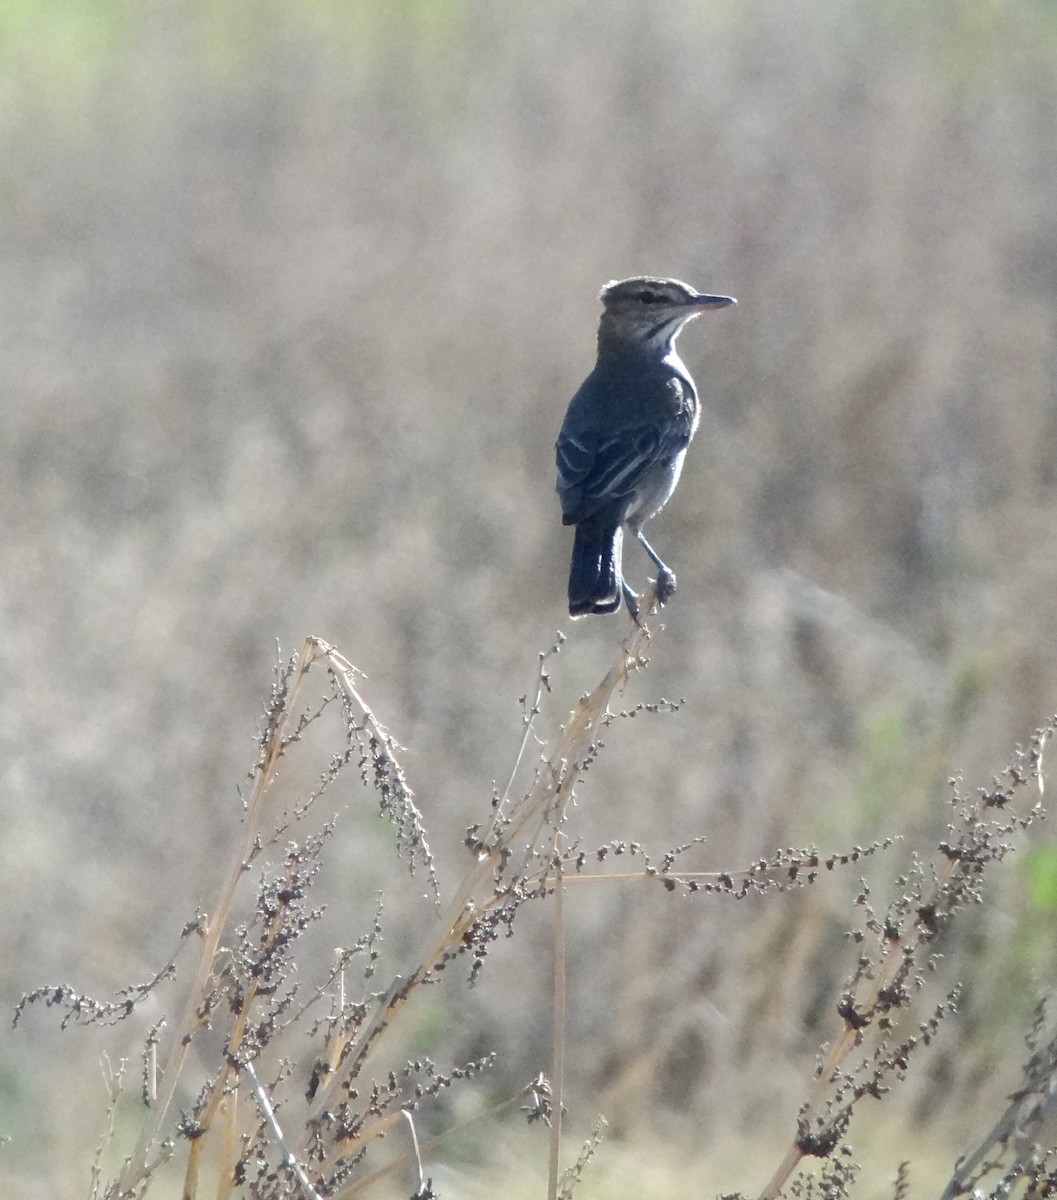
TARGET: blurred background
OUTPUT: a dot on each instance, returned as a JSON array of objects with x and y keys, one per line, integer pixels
[{"x": 292, "y": 299}]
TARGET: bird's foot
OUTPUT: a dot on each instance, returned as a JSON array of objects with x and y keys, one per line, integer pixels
[
  {"x": 632, "y": 601},
  {"x": 665, "y": 586}
]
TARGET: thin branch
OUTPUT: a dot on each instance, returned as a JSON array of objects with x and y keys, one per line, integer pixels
[
  {"x": 479, "y": 893},
  {"x": 268, "y": 1112},
  {"x": 414, "y": 1142},
  {"x": 558, "y": 1065},
  {"x": 136, "y": 1168}
]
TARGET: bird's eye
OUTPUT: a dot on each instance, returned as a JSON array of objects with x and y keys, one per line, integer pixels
[{"x": 648, "y": 297}]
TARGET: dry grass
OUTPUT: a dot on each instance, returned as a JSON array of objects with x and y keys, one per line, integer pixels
[
  {"x": 289, "y": 1059},
  {"x": 291, "y": 311}
]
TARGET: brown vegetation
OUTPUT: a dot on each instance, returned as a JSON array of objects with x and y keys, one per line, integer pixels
[{"x": 291, "y": 309}]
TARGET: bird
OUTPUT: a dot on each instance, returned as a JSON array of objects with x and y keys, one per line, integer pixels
[{"x": 622, "y": 443}]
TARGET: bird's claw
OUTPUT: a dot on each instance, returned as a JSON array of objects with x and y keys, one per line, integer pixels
[
  {"x": 632, "y": 601},
  {"x": 664, "y": 590},
  {"x": 665, "y": 586}
]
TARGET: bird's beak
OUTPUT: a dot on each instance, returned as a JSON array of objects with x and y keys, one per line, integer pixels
[{"x": 703, "y": 302}]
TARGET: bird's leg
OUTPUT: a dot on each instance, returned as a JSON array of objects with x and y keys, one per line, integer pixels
[{"x": 665, "y": 577}]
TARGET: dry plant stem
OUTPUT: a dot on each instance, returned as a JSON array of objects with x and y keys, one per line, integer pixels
[
  {"x": 136, "y": 1168},
  {"x": 558, "y": 1067},
  {"x": 989, "y": 1150},
  {"x": 406, "y": 1160},
  {"x": 414, "y": 1142},
  {"x": 268, "y": 1112},
  {"x": 229, "y": 1154},
  {"x": 381, "y": 1128},
  {"x": 228, "y": 1074},
  {"x": 529, "y": 718},
  {"x": 193, "y": 1168},
  {"x": 1020, "y": 1128},
  {"x": 916, "y": 933},
  {"x": 945, "y": 867},
  {"x": 477, "y": 893},
  {"x": 113, "y": 1090},
  {"x": 344, "y": 673}
]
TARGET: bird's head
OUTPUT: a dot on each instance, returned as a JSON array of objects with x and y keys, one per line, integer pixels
[{"x": 649, "y": 312}]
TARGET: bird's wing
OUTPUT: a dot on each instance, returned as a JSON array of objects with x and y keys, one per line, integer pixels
[
  {"x": 596, "y": 472},
  {"x": 574, "y": 453}
]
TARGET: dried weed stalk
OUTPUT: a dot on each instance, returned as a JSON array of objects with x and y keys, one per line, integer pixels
[
  {"x": 253, "y": 1127},
  {"x": 1019, "y": 1148},
  {"x": 882, "y": 1022},
  {"x": 248, "y": 1129}
]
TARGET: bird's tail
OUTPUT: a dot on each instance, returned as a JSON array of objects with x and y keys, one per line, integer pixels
[{"x": 594, "y": 573}]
